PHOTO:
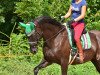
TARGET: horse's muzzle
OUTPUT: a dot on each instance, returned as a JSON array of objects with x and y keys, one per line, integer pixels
[{"x": 33, "y": 50}]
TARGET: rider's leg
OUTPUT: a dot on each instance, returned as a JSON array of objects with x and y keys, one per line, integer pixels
[
  {"x": 80, "y": 50},
  {"x": 78, "y": 28}
]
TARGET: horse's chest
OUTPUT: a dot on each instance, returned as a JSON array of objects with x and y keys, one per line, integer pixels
[{"x": 49, "y": 54}]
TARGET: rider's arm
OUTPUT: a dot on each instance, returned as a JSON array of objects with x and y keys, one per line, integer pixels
[
  {"x": 69, "y": 12},
  {"x": 83, "y": 12}
]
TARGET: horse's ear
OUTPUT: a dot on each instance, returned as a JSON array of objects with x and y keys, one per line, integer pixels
[
  {"x": 22, "y": 24},
  {"x": 32, "y": 26}
]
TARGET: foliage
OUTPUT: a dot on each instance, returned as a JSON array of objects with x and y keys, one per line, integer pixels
[
  {"x": 17, "y": 46},
  {"x": 93, "y": 15},
  {"x": 30, "y": 9}
]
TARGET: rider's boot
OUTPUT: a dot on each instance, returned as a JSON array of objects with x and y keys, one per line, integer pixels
[{"x": 80, "y": 50}]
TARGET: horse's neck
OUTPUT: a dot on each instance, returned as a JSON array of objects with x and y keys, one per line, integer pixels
[
  {"x": 49, "y": 31},
  {"x": 59, "y": 42}
]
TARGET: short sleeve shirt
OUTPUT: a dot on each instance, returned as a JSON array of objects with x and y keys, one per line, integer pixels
[{"x": 76, "y": 9}]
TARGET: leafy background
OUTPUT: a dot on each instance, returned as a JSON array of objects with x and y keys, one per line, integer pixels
[{"x": 15, "y": 57}]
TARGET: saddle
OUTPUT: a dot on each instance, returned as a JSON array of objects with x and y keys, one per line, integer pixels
[
  {"x": 72, "y": 32},
  {"x": 85, "y": 38}
]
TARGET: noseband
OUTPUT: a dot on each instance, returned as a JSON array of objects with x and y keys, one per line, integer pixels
[{"x": 37, "y": 33}]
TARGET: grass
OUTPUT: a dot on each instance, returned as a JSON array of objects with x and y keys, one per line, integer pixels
[{"x": 23, "y": 67}]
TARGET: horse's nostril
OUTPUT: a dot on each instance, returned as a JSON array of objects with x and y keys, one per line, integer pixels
[{"x": 33, "y": 50}]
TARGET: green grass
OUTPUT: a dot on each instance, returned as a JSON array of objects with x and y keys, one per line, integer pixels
[{"x": 23, "y": 67}]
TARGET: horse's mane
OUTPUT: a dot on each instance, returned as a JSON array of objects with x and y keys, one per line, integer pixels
[{"x": 47, "y": 19}]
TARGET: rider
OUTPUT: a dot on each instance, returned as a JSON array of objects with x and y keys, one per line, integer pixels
[{"x": 78, "y": 11}]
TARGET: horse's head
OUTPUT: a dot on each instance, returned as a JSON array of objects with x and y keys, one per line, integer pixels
[
  {"x": 33, "y": 33},
  {"x": 42, "y": 26}
]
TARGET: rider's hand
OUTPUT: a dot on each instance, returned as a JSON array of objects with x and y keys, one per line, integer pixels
[
  {"x": 70, "y": 23},
  {"x": 62, "y": 18}
]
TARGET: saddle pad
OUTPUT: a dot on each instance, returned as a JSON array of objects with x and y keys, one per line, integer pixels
[{"x": 85, "y": 40}]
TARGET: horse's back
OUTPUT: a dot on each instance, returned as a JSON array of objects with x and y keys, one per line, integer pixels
[{"x": 97, "y": 34}]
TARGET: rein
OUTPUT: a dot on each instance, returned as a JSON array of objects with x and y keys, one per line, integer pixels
[
  {"x": 47, "y": 39},
  {"x": 55, "y": 34}
]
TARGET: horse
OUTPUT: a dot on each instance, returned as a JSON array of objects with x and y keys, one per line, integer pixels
[{"x": 56, "y": 46}]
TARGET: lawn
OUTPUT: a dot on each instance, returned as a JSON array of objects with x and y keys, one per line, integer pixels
[{"x": 24, "y": 67}]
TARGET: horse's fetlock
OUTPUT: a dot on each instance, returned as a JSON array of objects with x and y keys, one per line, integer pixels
[{"x": 36, "y": 70}]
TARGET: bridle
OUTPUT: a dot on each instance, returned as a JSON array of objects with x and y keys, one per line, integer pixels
[
  {"x": 40, "y": 34},
  {"x": 37, "y": 33}
]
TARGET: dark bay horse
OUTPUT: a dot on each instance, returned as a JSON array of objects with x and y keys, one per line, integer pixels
[{"x": 56, "y": 47}]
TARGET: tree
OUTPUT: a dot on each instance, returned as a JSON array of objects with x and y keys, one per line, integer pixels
[{"x": 7, "y": 17}]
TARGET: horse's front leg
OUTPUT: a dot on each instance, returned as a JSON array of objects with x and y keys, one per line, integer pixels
[
  {"x": 43, "y": 64},
  {"x": 64, "y": 67}
]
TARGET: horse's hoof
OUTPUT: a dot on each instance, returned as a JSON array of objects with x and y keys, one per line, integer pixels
[{"x": 82, "y": 60}]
